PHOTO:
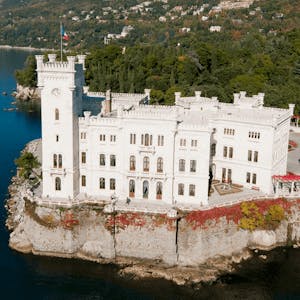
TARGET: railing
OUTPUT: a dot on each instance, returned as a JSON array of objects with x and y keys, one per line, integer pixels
[{"x": 159, "y": 209}]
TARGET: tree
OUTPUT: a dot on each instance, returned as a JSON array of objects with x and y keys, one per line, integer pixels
[
  {"x": 26, "y": 163},
  {"x": 27, "y": 76}
]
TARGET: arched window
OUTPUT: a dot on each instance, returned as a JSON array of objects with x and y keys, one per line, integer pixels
[
  {"x": 181, "y": 189},
  {"x": 102, "y": 183},
  {"x": 112, "y": 160},
  {"x": 54, "y": 161},
  {"x": 57, "y": 184},
  {"x": 112, "y": 183},
  {"x": 60, "y": 161},
  {"x": 145, "y": 189},
  {"x": 56, "y": 114},
  {"x": 146, "y": 139},
  {"x": 159, "y": 190},
  {"x": 132, "y": 163},
  {"x": 192, "y": 190},
  {"x": 160, "y": 166},
  {"x": 146, "y": 164},
  {"x": 102, "y": 159},
  {"x": 131, "y": 188}
]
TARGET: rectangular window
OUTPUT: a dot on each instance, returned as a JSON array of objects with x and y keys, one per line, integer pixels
[
  {"x": 83, "y": 180},
  {"x": 194, "y": 143},
  {"x": 113, "y": 138},
  {"x": 102, "y": 183},
  {"x": 181, "y": 189},
  {"x": 181, "y": 165},
  {"x": 192, "y": 190},
  {"x": 132, "y": 163},
  {"x": 182, "y": 142},
  {"x": 193, "y": 166},
  {"x": 102, "y": 159},
  {"x": 83, "y": 157},
  {"x": 146, "y": 164},
  {"x": 112, "y": 160},
  {"x": 102, "y": 137},
  {"x": 112, "y": 184},
  {"x": 82, "y": 135},
  {"x": 254, "y": 135},
  {"x": 255, "y": 159},
  {"x": 225, "y": 151},
  {"x": 57, "y": 137},
  {"x": 230, "y": 152},
  {"x": 229, "y": 175},
  {"x": 132, "y": 138},
  {"x": 223, "y": 174},
  {"x": 249, "y": 155},
  {"x": 253, "y": 178},
  {"x": 160, "y": 140},
  {"x": 229, "y": 131},
  {"x": 248, "y": 175}
]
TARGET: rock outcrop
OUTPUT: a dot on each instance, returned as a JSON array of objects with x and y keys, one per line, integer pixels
[
  {"x": 192, "y": 247},
  {"x": 24, "y": 93}
]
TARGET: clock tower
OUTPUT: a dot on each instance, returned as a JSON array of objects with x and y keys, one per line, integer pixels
[{"x": 61, "y": 85}]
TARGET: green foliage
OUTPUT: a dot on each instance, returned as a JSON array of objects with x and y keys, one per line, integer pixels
[
  {"x": 259, "y": 53},
  {"x": 26, "y": 163},
  {"x": 156, "y": 96},
  {"x": 27, "y": 76}
]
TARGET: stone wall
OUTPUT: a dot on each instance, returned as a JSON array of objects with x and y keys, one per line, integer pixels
[{"x": 189, "y": 240}]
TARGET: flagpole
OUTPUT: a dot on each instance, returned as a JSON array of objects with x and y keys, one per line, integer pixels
[{"x": 61, "y": 49}]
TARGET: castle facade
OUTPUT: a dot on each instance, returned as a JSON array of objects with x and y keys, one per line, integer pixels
[{"x": 118, "y": 146}]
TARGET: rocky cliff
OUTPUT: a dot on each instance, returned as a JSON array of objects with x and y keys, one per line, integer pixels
[
  {"x": 24, "y": 93},
  {"x": 189, "y": 248}
]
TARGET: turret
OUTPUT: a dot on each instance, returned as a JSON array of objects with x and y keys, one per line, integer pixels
[{"x": 61, "y": 102}]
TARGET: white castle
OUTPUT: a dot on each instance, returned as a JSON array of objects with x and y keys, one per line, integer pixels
[{"x": 114, "y": 145}]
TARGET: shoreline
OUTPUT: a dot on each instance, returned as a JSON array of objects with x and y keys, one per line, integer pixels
[{"x": 142, "y": 246}]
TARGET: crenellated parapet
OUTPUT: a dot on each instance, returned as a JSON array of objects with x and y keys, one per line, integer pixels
[
  {"x": 159, "y": 112},
  {"x": 63, "y": 71},
  {"x": 245, "y": 101},
  {"x": 196, "y": 101}
]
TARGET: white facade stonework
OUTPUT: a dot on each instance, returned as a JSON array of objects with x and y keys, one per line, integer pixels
[{"x": 114, "y": 145}]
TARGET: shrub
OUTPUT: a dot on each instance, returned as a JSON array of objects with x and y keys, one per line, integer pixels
[
  {"x": 252, "y": 217},
  {"x": 26, "y": 163},
  {"x": 257, "y": 218},
  {"x": 274, "y": 216}
]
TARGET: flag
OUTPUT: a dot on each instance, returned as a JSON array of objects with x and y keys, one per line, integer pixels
[{"x": 64, "y": 35}]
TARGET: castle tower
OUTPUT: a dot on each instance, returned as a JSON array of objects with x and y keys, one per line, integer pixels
[{"x": 61, "y": 85}]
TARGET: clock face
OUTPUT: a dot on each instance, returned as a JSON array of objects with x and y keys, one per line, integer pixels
[{"x": 55, "y": 92}]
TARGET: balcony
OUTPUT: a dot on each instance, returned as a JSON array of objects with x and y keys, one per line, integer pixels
[
  {"x": 147, "y": 149},
  {"x": 58, "y": 171}
]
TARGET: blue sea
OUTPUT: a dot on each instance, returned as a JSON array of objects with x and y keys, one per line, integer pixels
[{"x": 35, "y": 277}]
